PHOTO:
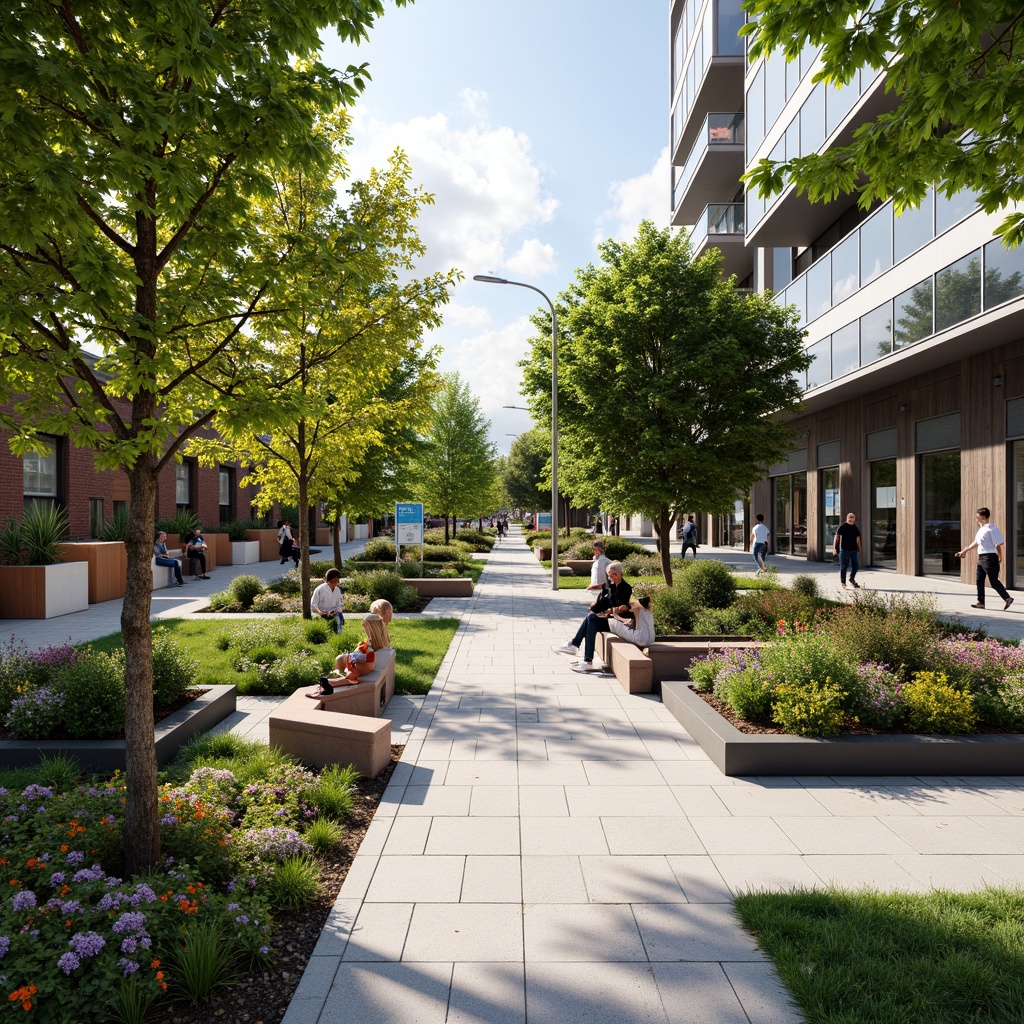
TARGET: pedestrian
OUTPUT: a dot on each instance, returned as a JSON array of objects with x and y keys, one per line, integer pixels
[
  {"x": 759, "y": 543},
  {"x": 689, "y": 538},
  {"x": 327, "y": 600},
  {"x": 990, "y": 544},
  {"x": 615, "y": 596},
  {"x": 847, "y": 546},
  {"x": 599, "y": 567}
]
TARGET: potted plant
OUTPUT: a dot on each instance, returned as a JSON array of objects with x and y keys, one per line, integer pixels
[
  {"x": 34, "y": 581},
  {"x": 243, "y": 551}
]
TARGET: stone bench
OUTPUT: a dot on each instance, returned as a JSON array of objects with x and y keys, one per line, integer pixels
[
  {"x": 163, "y": 575},
  {"x": 630, "y": 666},
  {"x": 461, "y": 586},
  {"x": 371, "y": 694}
]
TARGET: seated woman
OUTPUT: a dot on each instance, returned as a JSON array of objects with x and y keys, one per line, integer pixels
[
  {"x": 640, "y": 630},
  {"x": 615, "y": 596},
  {"x": 375, "y": 625}
]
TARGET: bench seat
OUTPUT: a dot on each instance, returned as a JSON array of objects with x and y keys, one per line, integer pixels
[
  {"x": 630, "y": 666},
  {"x": 371, "y": 694},
  {"x": 163, "y": 575}
]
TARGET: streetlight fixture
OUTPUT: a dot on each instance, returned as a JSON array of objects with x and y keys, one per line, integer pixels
[{"x": 488, "y": 279}]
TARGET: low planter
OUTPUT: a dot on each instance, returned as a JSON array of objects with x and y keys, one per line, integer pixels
[
  {"x": 461, "y": 586},
  {"x": 268, "y": 543},
  {"x": 43, "y": 591},
  {"x": 580, "y": 566},
  {"x": 106, "y": 755},
  {"x": 323, "y": 536},
  {"x": 108, "y": 567},
  {"x": 739, "y": 753},
  {"x": 220, "y": 545},
  {"x": 245, "y": 552},
  {"x": 543, "y": 554}
]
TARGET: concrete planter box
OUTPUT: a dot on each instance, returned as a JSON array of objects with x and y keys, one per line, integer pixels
[
  {"x": 105, "y": 755},
  {"x": 43, "y": 591},
  {"x": 163, "y": 575},
  {"x": 738, "y": 753},
  {"x": 108, "y": 567},
  {"x": 245, "y": 552},
  {"x": 220, "y": 545},
  {"x": 267, "y": 540},
  {"x": 543, "y": 554},
  {"x": 461, "y": 586},
  {"x": 580, "y": 566}
]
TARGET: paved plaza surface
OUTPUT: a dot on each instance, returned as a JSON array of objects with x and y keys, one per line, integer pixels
[{"x": 551, "y": 849}]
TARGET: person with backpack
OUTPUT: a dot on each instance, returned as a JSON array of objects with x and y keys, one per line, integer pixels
[{"x": 689, "y": 537}]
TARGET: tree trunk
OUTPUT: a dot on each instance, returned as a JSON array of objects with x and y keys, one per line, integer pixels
[
  {"x": 446, "y": 528},
  {"x": 336, "y": 537},
  {"x": 663, "y": 527},
  {"x": 302, "y": 516},
  {"x": 141, "y": 825}
]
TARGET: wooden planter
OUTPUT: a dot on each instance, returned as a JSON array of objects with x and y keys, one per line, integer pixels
[
  {"x": 43, "y": 591},
  {"x": 108, "y": 567},
  {"x": 323, "y": 536},
  {"x": 269, "y": 546},
  {"x": 245, "y": 552},
  {"x": 220, "y": 545}
]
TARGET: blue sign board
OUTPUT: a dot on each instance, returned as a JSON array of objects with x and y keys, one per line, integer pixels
[{"x": 408, "y": 523}]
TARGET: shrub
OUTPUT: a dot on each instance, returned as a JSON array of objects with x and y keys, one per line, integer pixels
[
  {"x": 810, "y": 709},
  {"x": 237, "y": 528},
  {"x": 805, "y": 586},
  {"x": 244, "y": 590},
  {"x": 181, "y": 523},
  {"x": 618, "y": 548},
  {"x": 324, "y": 835},
  {"x": 722, "y": 620},
  {"x": 641, "y": 565},
  {"x": 282, "y": 673},
  {"x": 876, "y": 697},
  {"x": 93, "y": 691},
  {"x": 933, "y": 706},
  {"x": 1006, "y": 707},
  {"x": 222, "y": 599},
  {"x": 744, "y": 685},
  {"x": 379, "y": 549},
  {"x": 203, "y": 959},
  {"x": 411, "y": 570},
  {"x": 798, "y": 658},
  {"x": 294, "y": 883},
  {"x": 383, "y": 584},
  {"x": 318, "y": 568},
  {"x": 672, "y": 611},
  {"x": 268, "y": 602},
  {"x": 442, "y": 552},
  {"x": 37, "y": 714},
  {"x": 117, "y": 528},
  {"x": 317, "y": 631},
  {"x": 474, "y": 540},
  {"x": 708, "y": 585},
  {"x": 174, "y": 672},
  {"x": 255, "y": 635},
  {"x": 14, "y": 660},
  {"x": 333, "y": 794},
  {"x": 975, "y": 664},
  {"x": 36, "y": 539},
  {"x": 704, "y": 672},
  {"x": 768, "y": 608}
]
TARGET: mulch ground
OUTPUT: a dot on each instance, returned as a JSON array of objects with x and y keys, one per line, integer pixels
[{"x": 262, "y": 997}]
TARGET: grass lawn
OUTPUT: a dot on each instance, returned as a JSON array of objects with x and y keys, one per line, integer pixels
[
  {"x": 742, "y": 582},
  {"x": 864, "y": 957},
  {"x": 420, "y": 646}
]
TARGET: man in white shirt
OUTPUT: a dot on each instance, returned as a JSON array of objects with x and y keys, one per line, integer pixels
[
  {"x": 599, "y": 567},
  {"x": 326, "y": 600},
  {"x": 990, "y": 544},
  {"x": 759, "y": 544}
]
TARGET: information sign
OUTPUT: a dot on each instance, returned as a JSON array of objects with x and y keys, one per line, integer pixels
[{"x": 409, "y": 523}]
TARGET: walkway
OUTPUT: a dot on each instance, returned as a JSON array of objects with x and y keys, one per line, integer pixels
[{"x": 551, "y": 849}]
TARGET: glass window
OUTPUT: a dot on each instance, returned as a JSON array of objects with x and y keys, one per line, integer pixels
[
  {"x": 792, "y": 137},
  {"x": 958, "y": 291},
  {"x": 796, "y": 295},
  {"x": 812, "y": 121},
  {"x": 913, "y": 229},
  {"x": 950, "y": 211},
  {"x": 1004, "y": 273},
  {"x": 755, "y": 113},
  {"x": 183, "y": 484},
  {"x": 844, "y": 269},
  {"x": 39, "y": 472},
  {"x": 820, "y": 370},
  {"x": 782, "y": 532},
  {"x": 1018, "y": 512},
  {"x": 730, "y": 21},
  {"x": 782, "y": 268},
  {"x": 819, "y": 288},
  {"x": 913, "y": 315},
  {"x": 876, "y": 244},
  {"x": 846, "y": 350},
  {"x": 883, "y": 514},
  {"x": 678, "y": 51},
  {"x": 800, "y": 514},
  {"x": 940, "y": 521},
  {"x": 226, "y": 484},
  {"x": 95, "y": 517},
  {"x": 830, "y": 520},
  {"x": 792, "y": 76},
  {"x": 807, "y": 57},
  {"x": 839, "y": 102},
  {"x": 876, "y": 333},
  {"x": 774, "y": 88}
]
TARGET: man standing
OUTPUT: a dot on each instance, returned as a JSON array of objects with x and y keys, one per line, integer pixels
[
  {"x": 326, "y": 600},
  {"x": 689, "y": 538},
  {"x": 759, "y": 543},
  {"x": 847, "y": 547},
  {"x": 990, "y": 544},
  {"x": 599, "y": 567}
]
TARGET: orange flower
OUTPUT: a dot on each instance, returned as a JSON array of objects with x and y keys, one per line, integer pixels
[
  {"x": 159, "y": 975},
  {"x": 155, "y": 963}
]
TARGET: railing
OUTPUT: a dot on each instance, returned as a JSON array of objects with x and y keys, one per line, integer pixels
[{"x": 717, "y": 130}]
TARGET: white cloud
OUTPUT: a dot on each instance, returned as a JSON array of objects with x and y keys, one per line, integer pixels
[
  {"x": 486, "y": 183},
  {"x": 645, "y": 197},
  {"x": 533, "y": 259},
  {"x": 467, "y": 316}
]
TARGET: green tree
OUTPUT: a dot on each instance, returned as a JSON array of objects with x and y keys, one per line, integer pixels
[
  {"x": 956, "y": 74},
  {"x": 527, "y": 467},
  {"x": 671, "y": 384},
  {"x": 347, "y": 356},
  {"x": 136, "y": 136},
  {"x": 455, "y": 467}
]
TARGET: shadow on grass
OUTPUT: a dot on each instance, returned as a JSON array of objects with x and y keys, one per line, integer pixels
[{"x": 866, "y": 957}]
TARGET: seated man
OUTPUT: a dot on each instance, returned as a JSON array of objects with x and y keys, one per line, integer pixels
[
  {"x": 614, "y": 597},
  {"x": 162, "y": 558},
  {"x": 327, "y": 598},
  {"x": 195, "y": 551}
]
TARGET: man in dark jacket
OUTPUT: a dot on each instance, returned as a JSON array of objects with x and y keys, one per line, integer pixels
[{"x": 615, "y": 595}]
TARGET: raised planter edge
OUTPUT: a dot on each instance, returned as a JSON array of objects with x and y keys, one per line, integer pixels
[
  {"x": 170, "y": 734},
  {"x": 736, "y": 753}
]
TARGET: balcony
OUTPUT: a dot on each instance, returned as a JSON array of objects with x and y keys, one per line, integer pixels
[
  {"x": 721, "y": 225},
  {"x": 712, "y": 169}
]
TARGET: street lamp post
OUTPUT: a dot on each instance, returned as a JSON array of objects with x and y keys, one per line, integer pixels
[{"x": 487, "y": 279}]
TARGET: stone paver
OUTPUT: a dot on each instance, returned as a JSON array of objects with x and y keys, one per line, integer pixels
[{"x": 551, "y": 849}]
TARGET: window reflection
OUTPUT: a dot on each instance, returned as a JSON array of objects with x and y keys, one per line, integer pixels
[
  {"x": 1004, "y": 273},
  {"x": 845, "y": 350},
  {"x": 819, "y": 288},
  {"x": 913, "y": 314},
  {"x": 730, "y": 21},
  {"x": 913, "y": 229},
  {"x": 876, "y": 333},
  {"x": 844, "y": 269},
  {"x": 820, "y": 370},
  {"x": 876, "y": 244},
  {"x": 958, "y": 291},
  {"x": 949, "y": 211},
  {"x": 812, "y": 121}
]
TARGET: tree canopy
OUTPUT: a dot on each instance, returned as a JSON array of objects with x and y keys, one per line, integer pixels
[
  {"x": 529, "y": 461},
  {"x": 957, "y": 72},
  {"x": 136, "y": 137},
  {"x": 671, "y": 383}
]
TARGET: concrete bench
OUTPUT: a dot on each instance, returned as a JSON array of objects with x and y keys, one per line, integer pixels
[
  {"x": 630, "y": 666},
  {"x": 306, "y": 730},
  {"x": 461, "y": 586},
  {"x": 671, "y": 659},
  {"x": 163, "y": 575},
  {"x": 371, "y": 694}
]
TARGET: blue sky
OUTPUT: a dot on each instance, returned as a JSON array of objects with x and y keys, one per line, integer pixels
[{"x": 542, "y": 127}]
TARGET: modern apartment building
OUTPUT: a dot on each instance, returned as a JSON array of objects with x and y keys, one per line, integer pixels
[{"x": 914, "y": 403}]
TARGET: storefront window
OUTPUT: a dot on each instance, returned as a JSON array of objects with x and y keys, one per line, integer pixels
[
  {"x": 883, "y": 514},
  {"x": 940, "y": 518},
  {"x": 830, "y": 503}
]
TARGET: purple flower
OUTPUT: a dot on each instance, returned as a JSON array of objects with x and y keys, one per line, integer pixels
[
  {"x": 69, "y": 963},
  {"x": 75, "y": 857},
  {"x": 130, "y": 944},
  {"x": 87, "y": 943},
  {"x": 264, "y": 950},
  {"x": 129, "y": 921},
  {"x": 25, "y": 899},
  {"x": 93, "y": 874},
  {"x": 5, "y": 945},
  {"x": 242, "y": 919},
  {"x": 57, "y": 878},
  {"x": 142, "y": 893},
  {"x": 128, "y": 966},
  {"x": 168, "y": 819},
  {"x": 35, "y": 792}
]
